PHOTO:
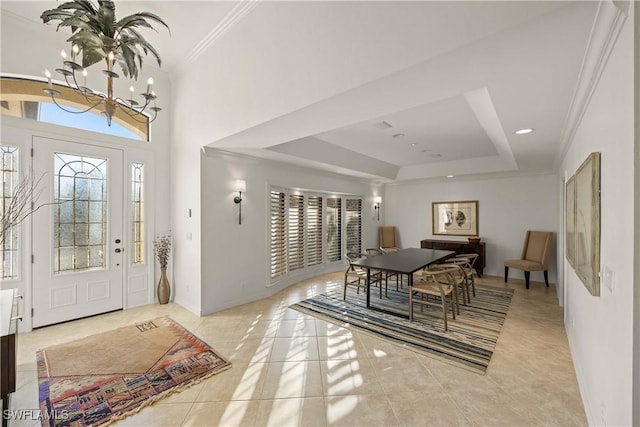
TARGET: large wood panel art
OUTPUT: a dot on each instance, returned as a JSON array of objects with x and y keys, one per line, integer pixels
[{"x": 583, "y": 223}]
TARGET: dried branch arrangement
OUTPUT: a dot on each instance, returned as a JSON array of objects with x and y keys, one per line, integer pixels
[{"x": 18, "y": 206}]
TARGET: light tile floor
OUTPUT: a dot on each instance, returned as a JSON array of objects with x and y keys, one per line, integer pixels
[{"x": 291, "y": 369}]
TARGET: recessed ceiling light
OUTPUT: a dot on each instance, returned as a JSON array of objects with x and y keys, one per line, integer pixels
[
  {"x": 413, "y": 144},
  {"x": 449, "y": 176},
  {"x": 523, "y": 131}
]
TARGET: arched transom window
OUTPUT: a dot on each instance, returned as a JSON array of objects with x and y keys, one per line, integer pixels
[{"x": 21, "y": 97}]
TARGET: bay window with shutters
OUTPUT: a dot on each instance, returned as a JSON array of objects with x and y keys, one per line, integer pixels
[
  {"x": 308, "y": 230},
  {"x": 314, "y": 230},
  {"x": 278, "y": 233},
  {"x": 295, "y": 236},
  {"x": 334, "y": 229},
  {"x": 354, "y": 225}
]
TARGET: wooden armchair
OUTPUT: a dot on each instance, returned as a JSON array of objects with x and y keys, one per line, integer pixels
[
  {"x": 438, "y": 282},
  {"x": 387, "y": 274},
  {"x": 357, "y": 276}
]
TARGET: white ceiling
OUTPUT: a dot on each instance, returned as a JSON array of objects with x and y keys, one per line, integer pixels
[
  {"x": 440, "y": 131},
  {"x": 452, "y": 81}
]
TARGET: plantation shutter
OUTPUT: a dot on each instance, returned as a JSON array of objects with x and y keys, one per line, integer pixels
[
  {"x": 334, "y": 229},
  {"x": 278, "y": 234},
  {"x": 296, "y": 232},
  {"x": 354, "y": 225},
  {"x": 314, "y": 230}
]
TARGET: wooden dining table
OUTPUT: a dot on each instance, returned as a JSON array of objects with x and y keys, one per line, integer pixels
[{"x": 404, "y": 261}]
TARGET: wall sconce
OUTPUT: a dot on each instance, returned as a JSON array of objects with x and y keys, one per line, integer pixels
[
  {"x": 377, "y": 201},
  {"x": 241, "y": 186}
]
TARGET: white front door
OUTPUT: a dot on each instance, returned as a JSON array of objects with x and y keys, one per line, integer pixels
[{"x": 78, "y": 236}]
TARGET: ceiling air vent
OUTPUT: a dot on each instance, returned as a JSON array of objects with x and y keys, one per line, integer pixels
[{"x": 383, "y": 125}]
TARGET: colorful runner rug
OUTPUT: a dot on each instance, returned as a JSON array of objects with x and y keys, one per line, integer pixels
[
  {"x": 105, "y": 377},
  {"x": 469, "y": 342}
]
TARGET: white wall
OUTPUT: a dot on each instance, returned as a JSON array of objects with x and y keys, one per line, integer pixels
[
  {"x": 185, "y": 197},
  {"x": 600, "y": 328},
  {"x": 636, "y": 281},
  {"x": 235, "y": 260},
  {"x": 507, "y": 208},
  {"x": 187, "y": 138}
]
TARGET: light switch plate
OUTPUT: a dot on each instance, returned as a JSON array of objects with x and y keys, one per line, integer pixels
[{"x": 609, "y": 278}]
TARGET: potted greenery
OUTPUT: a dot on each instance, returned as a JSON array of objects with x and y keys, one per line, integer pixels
[{"x": 162, "y": 249}]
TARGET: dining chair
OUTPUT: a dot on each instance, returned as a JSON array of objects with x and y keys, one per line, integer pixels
[
  {"x": 473, "y": 257},
  {"x": 470, "y": 270},
  {"x": 437, "y": 282},
  {"x": 387, "y": 274},
  {"x": 357, "y": 276},
  {"x": 460, "y": 276}
]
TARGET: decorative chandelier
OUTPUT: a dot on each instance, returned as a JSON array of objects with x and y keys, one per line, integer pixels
[{"x": 97, "y": 36}]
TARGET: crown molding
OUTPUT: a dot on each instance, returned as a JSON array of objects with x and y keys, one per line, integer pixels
[
  {"x": 212, "y": 152},
  {"x": 234, "y": 15},
  {"x": 607, "y": 25}
]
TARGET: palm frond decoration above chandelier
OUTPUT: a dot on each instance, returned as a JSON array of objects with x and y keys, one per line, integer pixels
[{"x": 98, "y": 36}]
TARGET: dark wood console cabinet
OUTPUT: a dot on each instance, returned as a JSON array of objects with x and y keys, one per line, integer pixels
[
  {"x": 460, "y": 247},
  {"x": 8, "y": 332}
]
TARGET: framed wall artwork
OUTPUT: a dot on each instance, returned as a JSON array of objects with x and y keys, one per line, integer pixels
[
  {"x": 570, "y": 220},
  {"x": 455, "y": 218},
  {"x": 583, "y": 233}
]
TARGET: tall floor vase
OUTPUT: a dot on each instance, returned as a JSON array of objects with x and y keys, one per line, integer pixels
[{"x": 164, "y": 290}]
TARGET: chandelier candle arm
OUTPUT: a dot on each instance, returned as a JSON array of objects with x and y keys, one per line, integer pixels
[
  {"x": 47, "y": 73},
  {"x": 89, "y": 108}
]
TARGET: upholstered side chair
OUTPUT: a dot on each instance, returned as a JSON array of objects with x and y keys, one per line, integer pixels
[
  {"x": 535, "y": 256},
  {"x": 388, "y": 239}
]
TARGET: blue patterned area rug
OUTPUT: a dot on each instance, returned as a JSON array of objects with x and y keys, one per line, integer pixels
[
  {"x": 469, "y": 342},
  {"x": 105, "y": 377}
]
